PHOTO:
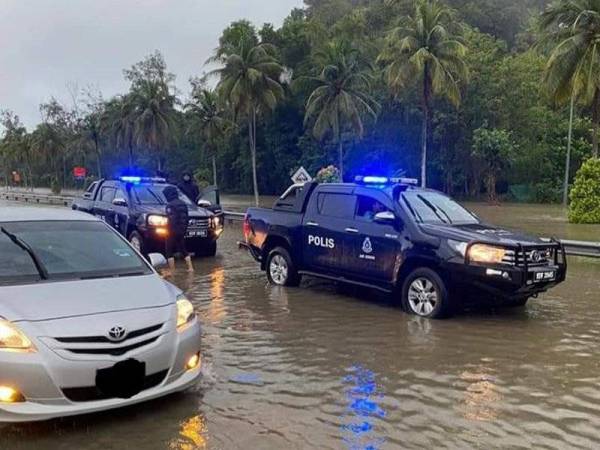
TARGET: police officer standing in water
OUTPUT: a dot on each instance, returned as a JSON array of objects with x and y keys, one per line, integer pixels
[{"x": 177, "y": 213}]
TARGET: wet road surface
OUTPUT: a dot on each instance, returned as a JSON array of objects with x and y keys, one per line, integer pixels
[{"x": 329, "y": 367}]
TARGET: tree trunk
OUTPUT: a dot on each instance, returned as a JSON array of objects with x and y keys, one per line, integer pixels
[
  {"x": 214, "y": 168},
  {"x": 595, "y": 123},
  {"x": 491, "y": 188},
  {"x": 425, "y": 124},
  {"x": 568, "y": 161},
  {"x": 341, "y": 158},
  {"x": 252, "y": 132}
]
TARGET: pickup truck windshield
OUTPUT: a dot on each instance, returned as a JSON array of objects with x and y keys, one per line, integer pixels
[
  {"x": 153, "y": 195},
  {"x": 434, "y": 208},
  {"x": 65, "y": 250}
]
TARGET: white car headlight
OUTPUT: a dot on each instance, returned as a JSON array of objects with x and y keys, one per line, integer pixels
[
  {"x": 13, "y": 339},
  {"x": 185, "y": 312},
  {"x": 157, "y": 221}
]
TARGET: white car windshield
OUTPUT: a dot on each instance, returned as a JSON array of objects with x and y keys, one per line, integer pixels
[
  {"x": 435, "y": 208},
  {"x": 62, "y": 250}
]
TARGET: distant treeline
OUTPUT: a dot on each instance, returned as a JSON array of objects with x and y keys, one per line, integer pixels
[{"x": 367, "y": 85}]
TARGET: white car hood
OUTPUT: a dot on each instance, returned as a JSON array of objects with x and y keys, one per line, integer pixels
[{"x": 55, "y": 300}]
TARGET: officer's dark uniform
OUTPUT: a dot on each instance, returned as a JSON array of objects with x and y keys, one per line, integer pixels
[
  {"x": 177, "y": 212},
  {"x": 189, "y": 187}
]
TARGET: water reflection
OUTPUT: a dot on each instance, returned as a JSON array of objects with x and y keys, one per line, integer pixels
[
  {"x": 216, "y": 311},
  {"x": 192, "y": 435},
  {"x": 481, "y": 398}
]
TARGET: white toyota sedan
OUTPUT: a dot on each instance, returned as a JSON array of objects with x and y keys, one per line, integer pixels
[{"x": 86, "y": 324}]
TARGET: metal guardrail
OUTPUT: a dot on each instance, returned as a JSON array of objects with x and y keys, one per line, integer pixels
[
  {"x": 573, "y": 248},
  {"x": 582, "y": 248}
]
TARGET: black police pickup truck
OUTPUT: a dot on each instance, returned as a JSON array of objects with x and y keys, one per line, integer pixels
[
  {"x": 395, "y": 237},
  {"x": 136, "y": 207}
]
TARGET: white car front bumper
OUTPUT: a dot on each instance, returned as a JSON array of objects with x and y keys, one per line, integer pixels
[{"x": 44, "y": 377}]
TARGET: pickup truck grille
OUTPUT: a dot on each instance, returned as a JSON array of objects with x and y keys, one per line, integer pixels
[
  {"x": 535, "y": 257},
  {"x": 198, "y": 224}
]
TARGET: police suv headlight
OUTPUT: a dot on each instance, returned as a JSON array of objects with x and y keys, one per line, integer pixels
[
  {"x": 13, "y": 339},
  {"x": 157, "y": 221},
  {"x": 486, "y": 254},
  {"x": 216, "y": 222},
  {"x": 185, "y": 312}
]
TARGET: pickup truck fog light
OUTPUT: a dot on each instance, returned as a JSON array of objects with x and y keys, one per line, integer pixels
[
  {"x": 193, "y": 362},
  {"x": 10, "y": 395},
  {"x": 162, "y": 232},
  {"x": 481, "y": 253}
]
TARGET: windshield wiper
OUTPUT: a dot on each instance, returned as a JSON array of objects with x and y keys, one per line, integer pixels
[
  {"x": 27, "y": 248},
  {"x": 435, "y": 210}
]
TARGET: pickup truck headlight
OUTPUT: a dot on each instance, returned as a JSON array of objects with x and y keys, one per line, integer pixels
[
  {"x": 13, "y": 339},
  {"x": 185, "y": 312},
  {"x": 157, "y": 221},
  {"x": 216, "y": 222},
  {"x": 487, "y": 254}
]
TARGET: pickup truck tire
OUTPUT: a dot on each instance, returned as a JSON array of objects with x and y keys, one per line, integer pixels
[
  {"x": 137, "y": 241},
  {"x": 424, "y": 294},
  {"x": 281, "y": 270}
]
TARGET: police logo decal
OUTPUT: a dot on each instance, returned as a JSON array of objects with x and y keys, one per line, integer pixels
[{"x": 367, "y": 247}]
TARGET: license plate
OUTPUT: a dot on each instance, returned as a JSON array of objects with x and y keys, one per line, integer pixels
[
  {"x": 197, "y": 233},
  {"x": 123, "y": 380},
  {"x": 540, "y": 277}
]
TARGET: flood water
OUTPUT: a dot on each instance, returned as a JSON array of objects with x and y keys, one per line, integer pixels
[{"x": 323, "y": 366}]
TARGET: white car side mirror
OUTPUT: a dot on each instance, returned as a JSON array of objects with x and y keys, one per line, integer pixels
[{"x": 157, "y": 260}]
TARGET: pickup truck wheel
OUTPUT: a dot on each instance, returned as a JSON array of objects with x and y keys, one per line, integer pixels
[
  {"x": 281, "y": 270},
  {"x": 424, "y": 294},
  {"x": 136, "y": 241}
]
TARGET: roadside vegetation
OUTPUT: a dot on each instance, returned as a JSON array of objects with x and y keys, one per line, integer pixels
[{"x": 478, "y": 98}]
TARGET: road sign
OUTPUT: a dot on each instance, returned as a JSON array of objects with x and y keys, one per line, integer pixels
[
  {"x": 79, "y": 172},
  {"x": 301, "y": 176}
]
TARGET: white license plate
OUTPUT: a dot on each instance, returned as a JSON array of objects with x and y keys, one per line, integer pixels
[
  {"x": 540, "y": 277},
  {"x": 197, "y": 233}
]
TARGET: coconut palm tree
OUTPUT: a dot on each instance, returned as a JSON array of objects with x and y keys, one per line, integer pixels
[
  {"x": 341, "y": 97},
  {"x": 210, "y": 119},
  {"x": 426, "y": 47},
  {"x": 117, "y": 122},
  {"x": 152, "y": 115},
  {"x": 573, "y": 68},
  {"x": 249, "y": 83}
]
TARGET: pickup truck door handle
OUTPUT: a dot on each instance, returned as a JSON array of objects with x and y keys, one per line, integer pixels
[
  {"x": 351, "y": 230},
  {"x": 312, "y": 224}
]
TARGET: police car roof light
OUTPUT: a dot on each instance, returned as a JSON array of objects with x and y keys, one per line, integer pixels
[
  {"x": 408, "y": 181},
  {"x": 138, "y": 180},
  {"x": 131, "y": 179},
  {"x": 375, "y": 180}
]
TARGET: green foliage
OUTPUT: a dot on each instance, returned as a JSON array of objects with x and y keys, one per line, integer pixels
[
  {"x": 495, "y": 150},
  {"x": 585, "y": 195}
]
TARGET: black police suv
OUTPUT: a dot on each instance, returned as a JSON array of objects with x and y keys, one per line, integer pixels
[
  {"x": 136, "y": 207},
  {"x": 396, "y": 237}
]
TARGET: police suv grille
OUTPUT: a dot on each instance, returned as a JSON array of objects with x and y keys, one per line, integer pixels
[
  {"x": 535, "y": 258},
  {"x": 92, "y": 393},
  {"x": 104, "y": 339},
  {"x": 198, "y": 224}
]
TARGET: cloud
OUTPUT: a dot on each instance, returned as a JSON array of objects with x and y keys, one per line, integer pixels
[{"x": 47, "y": 45}]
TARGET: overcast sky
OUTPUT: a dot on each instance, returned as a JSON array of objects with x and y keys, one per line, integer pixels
[{"x": 47, "y": 44}]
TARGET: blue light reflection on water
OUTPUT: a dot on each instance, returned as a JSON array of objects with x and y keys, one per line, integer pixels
[{"x": 362, "y": 396}]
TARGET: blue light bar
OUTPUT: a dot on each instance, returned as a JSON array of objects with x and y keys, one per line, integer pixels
[
  {"x": 376, "y": 180},
  {"x": 130, "y": 179}
]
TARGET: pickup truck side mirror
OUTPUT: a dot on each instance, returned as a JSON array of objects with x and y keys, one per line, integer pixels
[
  {"x": 119, "y": 202},
  {"x": 386, "y": 217},
  {"x": 204, "y": 203}
]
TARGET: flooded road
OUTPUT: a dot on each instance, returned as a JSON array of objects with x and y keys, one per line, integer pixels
[{"x": 328, "y": 367}]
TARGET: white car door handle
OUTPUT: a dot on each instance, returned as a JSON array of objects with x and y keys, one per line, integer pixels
[
  {"x": 351, "y": 230},
  {"x": 312, "y": 224}
]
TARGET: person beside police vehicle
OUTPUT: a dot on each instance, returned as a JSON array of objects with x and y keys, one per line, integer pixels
[
  {"x": 189, "y": 187},
  {"x": 178, "y": 216}
]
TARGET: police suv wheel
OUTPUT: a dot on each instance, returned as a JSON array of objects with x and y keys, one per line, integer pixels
[
  {"x": 424, "y": 294},
  {"x": 136, "y": 241},
  {"x": 281, "y": 270}
]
